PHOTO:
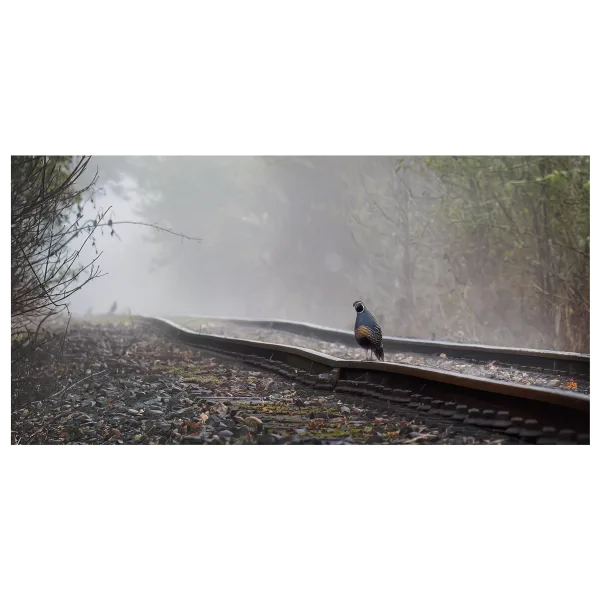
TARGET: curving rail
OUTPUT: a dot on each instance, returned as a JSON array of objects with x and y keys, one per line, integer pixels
[
  {"x": 535, "y": 414},
  {"x": 563, "y": 363}
]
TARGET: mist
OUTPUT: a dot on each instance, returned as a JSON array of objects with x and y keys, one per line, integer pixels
[{"x": 438, "y": 248}]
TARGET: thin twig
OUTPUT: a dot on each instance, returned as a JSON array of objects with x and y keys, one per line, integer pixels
[
  {"x": 166, "y": 230},
  {"x": 65, "y": 389}
]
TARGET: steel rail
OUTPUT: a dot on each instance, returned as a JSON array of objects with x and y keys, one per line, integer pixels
[
  {"x": 533, "y": 413},
  {"x": 567, "y": 363}
]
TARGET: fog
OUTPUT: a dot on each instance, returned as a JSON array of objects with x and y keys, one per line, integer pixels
[
  {"x": 302, "y": 238},
  {"x": 128, "y": 275}
]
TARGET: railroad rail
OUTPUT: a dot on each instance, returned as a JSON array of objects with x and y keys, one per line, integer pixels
[
  {"x": 561, "y": 363},
  {"x": 534, "y": 414}
]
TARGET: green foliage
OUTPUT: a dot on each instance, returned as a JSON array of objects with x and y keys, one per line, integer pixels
[{"x": 522, "y": 223}]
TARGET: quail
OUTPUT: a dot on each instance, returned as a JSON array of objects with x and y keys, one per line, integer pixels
[{"x": 367, "y": 331}]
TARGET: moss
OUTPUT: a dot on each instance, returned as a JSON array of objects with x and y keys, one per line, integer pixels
[
  {"x": 321, "y": 428},
  {"x": 202, "y": 379},
  {"x": 190, "y": 373},
  {"x": 361, "y": 433},
  {"x": 335, "y": 433},
  {"x": 285, "y": 408},
  {"x": 325, "y": 432}
]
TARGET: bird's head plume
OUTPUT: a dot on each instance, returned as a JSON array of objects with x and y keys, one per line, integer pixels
[{"x": 359, "y": 306}]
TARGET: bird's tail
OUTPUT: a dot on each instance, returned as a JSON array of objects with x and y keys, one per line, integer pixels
[{"x": 379, "y": 353}]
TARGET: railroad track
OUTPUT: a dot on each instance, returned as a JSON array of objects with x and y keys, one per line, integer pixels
[
  {"x": 532, "y": 414},
  {"x": 559, "y": 363}
]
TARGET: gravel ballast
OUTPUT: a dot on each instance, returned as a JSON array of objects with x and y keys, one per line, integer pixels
[{"x": 124, "y": 384}]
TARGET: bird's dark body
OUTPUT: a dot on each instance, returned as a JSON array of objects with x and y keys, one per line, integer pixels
[{"x": 367, "y": 331}]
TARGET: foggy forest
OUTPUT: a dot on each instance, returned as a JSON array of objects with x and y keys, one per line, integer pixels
[{"x": 484, "y": 249}]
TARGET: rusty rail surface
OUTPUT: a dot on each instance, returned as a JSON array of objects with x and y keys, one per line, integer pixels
[
  {"x": 562, "y": 363},
  {"x": 535, "y": 414}
]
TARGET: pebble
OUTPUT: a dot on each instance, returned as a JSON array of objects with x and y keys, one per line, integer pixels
[
  {"x": 241, "y": 432},
  {"x": 154, "y": 412},
  {"x": 225, "y": 433},
  {"x": 193, "y": 439},
  {"x": 267, "y": 438}
]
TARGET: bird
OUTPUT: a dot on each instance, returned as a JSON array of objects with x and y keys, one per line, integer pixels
[{"x": 367, "y": 331}]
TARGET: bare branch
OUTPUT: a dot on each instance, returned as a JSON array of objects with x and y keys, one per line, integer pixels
[{"x": 153, "y": 226}]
